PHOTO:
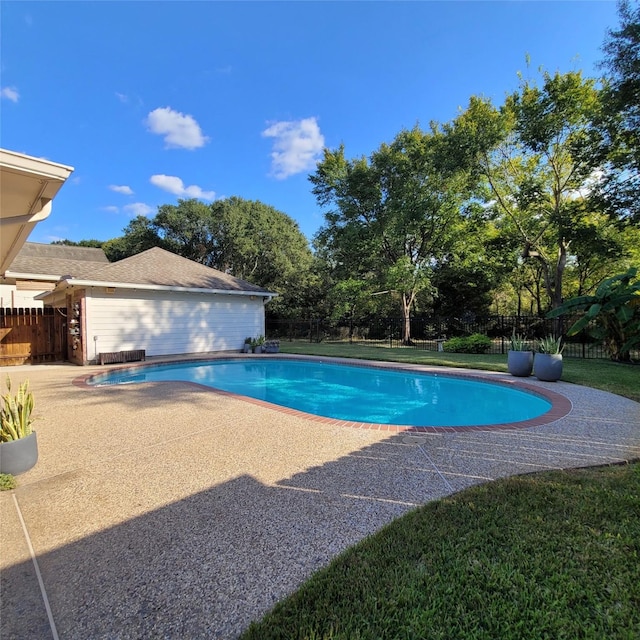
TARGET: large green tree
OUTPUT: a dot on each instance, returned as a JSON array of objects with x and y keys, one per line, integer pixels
[
  {"x": 478, "y": 263},
  {"x": 620, "y": 121},
  {"x": 393, "y": 216},
  {"x": 139, "y": 235},
  {"x": 531, "y": 157},
  {"x": 246, "y": 238}
]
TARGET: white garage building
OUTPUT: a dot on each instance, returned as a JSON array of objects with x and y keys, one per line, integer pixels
[{"x": 158, "y": 302}]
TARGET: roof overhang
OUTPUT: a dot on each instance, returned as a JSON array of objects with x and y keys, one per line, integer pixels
[
  {"x": 45, "y": 277},
  {"x": 74, "y": 282},
  {"x": 27, "y": 187}
]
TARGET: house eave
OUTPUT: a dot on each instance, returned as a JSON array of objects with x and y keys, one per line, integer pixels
[
  {"x": 18, "y": 275},
  {"x": 73, "y": 282},
  {"x": 28, "y": 185}
]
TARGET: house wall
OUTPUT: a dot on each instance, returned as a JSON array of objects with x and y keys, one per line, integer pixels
[
  {"x": 21, "y": 294},
  {"x": 166, "y": 323}
]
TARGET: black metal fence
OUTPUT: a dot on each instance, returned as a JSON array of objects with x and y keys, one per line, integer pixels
[{"x": 430, "y": 333}]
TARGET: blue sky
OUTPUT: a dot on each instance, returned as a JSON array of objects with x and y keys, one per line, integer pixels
[{"x": 155, "y": 101}]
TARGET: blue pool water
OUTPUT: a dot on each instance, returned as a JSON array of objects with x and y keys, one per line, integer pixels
[{"x": 353, "y": 393}]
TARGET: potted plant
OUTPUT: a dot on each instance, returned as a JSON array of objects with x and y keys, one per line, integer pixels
[
  {"x": 18, "y": 443},
  {"x": 257, "y": 344},
  {"x": 246, "y": 347},
  {"x": 519, "y": 357},
  {"x": 547, "y": 363}
]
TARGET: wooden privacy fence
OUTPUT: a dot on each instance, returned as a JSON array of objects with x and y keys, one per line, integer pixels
[{"x": 32, "y": 335}]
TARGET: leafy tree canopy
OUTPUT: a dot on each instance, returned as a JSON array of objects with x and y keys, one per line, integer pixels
[
  {"x": 248, "y": 239},
  {"x": 531, "y": 159},
  {"x": 620, "y": 121},
  {"x": 94, "y": 244},
  {"x": 393, "y": 216}
]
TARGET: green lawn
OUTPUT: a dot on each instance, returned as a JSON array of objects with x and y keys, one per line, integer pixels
[{"x": 551, "y": 555}]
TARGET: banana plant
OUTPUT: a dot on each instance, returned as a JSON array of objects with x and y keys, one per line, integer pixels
[{"x": 611, "y": 314}]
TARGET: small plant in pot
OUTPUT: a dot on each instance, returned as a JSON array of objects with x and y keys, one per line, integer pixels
[
  {"x": 520, "y": 357},
  {"x": 18, "y": 443},
  {"x": 257, "y": 344},
  {"x": 246, "y": 347},
  {"x": 547, "y": 363}
]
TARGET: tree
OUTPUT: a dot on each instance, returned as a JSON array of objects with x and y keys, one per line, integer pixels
[
  {"x": 601, "y": 247},
  {"x": 350, "y": 299},
  {"x": 258, "y": 243},
  {"x": 94, "y": 244},
  {"x": 620, "y": 122},
  {"x": 530, "y": 155},
  {"x": 139, "y": 235},
  {"x": 188, "y": 229},
  {"x": 247, "y": 239},
  {"x": 394, "y": 215},
  {"x": 478, "y": 262}
]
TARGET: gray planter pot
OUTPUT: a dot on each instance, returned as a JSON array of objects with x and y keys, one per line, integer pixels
[
  {"x": 246, "y": 348},
  {"x": 272, "y": 346},
  {"x": 520, "y": 363},
  {"x": 257, "y": 349},
  {"x": 548, "y": 366},
  {"x": 18, "y": 456}
]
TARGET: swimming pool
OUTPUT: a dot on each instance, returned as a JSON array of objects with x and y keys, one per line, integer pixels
[{"x": 351, "y": 393}]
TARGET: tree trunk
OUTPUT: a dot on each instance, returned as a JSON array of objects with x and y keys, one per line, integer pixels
[
  {"x": 407, "y": 299},
  {"x": 557, "y": 297}
]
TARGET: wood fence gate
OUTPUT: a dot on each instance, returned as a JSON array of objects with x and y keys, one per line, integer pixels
[{"x": 32, "y": 336}]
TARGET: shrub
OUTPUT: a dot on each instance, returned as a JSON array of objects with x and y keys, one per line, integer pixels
[
  {"x": 476, "y": 343},
  {"x": 7, "y": 482}
]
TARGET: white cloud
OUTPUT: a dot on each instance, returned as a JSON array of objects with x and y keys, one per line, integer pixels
[
  {"x": 174, "y": 185},
  {"x": 111, "y": 209},
  {"x": 124, "y": 189},
  {"x": 595, "y": 178},
  {"x": 138, "y": 209},
  {"x": 297, "y": 146},
  {"x": 178, "y": 129},
  {"x": 122, "y": 97},
  {"x": 10, "y": 93}
]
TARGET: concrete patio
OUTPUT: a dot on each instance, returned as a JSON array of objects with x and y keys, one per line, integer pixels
[{"x": 167, "y": 510}]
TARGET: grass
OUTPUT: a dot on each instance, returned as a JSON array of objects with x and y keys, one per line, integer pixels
[
  {"x": 623, "y": 379},
  {"x": 551, "y": 555},
  {"x": 7, "y": 482}
]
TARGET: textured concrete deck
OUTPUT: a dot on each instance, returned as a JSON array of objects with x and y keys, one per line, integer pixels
[{"x": 166, "y": 510}]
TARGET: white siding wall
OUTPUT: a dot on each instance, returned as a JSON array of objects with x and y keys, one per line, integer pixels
[
  {"x": 11, "y": 297},
  {"x": 165, "y": 323}
]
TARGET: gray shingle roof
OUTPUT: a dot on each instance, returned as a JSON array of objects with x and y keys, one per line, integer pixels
[
  {"x": 163, "y": 268},
  {"x": 57, "y": 260}
]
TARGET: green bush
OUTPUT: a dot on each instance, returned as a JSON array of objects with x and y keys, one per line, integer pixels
[
  {"x": 7, "y": 482},
  {"x": 476, "y": 343}
]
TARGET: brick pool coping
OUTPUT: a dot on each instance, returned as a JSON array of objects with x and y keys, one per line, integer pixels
[{"x": 560, "y": 405}]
